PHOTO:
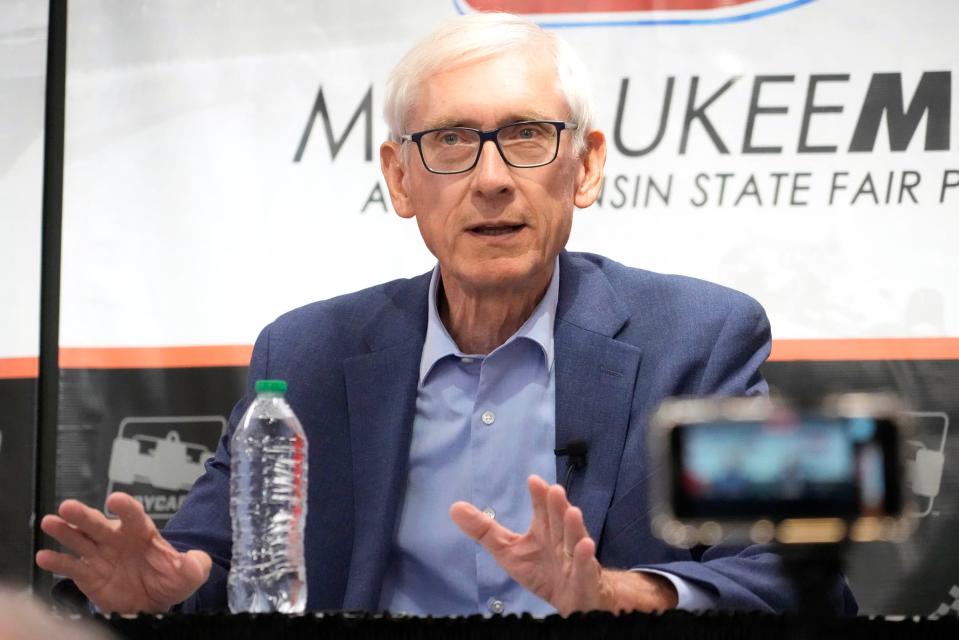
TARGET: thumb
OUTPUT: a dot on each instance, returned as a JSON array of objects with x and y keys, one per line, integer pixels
[
  {"x": 469, "y": 519},
  {"x": 196, "y": 566},
  {"x": 480, "y": 527}
]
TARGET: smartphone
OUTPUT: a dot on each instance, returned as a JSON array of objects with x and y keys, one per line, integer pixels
[{"x": 750, "y": 467}]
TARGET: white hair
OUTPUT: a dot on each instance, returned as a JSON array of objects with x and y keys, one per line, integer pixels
[{"x": 467, "y": 39}]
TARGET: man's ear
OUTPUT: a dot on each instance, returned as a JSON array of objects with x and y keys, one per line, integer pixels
[
  {"x": 394, "y": 170},
  {"x": 590, "y": 178}
]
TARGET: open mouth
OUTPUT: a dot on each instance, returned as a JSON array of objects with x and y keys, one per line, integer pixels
[{"x": 496, "y": 230}]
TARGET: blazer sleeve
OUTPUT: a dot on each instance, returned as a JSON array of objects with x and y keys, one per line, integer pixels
[
  {"x": 744, "y": 577},
  {"x": 741, "y": 347},
  {"x": 203, "y": 520}
]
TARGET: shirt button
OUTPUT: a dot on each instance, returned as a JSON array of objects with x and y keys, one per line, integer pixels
[
  {"x": 488, "y": 417},
  {"x": 496, "y": 606},
  {"x": 466, "y": 360},
  {"x": 489, "y": 513}
]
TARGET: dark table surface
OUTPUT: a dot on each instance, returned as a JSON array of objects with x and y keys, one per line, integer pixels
[{"x": 674, "y": 624}]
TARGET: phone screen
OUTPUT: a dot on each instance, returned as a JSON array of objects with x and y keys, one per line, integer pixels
[{"x": 820, "y": 467}]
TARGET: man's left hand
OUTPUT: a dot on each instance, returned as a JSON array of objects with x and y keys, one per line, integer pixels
[{"x": 556, "y": 558}]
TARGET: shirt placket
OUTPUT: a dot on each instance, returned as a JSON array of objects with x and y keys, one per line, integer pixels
[{"x": 486, "y": 433}]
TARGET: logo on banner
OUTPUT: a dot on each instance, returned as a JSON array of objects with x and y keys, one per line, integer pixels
[
  {"x": 918, "y": 121},
  {"x": 924, "y": 116},
  {"x": 948, "y": 608},
  {"x": 157, "y": 459},
  {"x": 925, "y": 466},
  {"x": 632, "y": 13}
]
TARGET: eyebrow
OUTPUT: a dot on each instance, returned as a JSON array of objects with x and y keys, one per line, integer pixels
[{"x": 444, "y": 123}]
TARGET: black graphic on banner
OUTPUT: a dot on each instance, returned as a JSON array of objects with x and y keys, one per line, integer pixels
[
  {"x": 146, "y": 432},
  {"x": 18, "y": 397}
]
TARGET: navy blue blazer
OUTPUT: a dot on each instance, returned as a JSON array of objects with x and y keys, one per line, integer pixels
[{"x": 625, "y": 339}]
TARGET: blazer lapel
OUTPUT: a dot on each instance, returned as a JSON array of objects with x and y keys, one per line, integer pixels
[
  {"x": 381, "y": 394},
  {"x": 595, "y": 379}
]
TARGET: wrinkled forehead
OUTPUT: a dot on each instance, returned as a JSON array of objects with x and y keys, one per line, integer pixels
[{"x": 518, "y": 84}]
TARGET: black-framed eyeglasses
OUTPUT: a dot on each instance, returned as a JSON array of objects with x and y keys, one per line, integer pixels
[{"x": 523, "y": 145}]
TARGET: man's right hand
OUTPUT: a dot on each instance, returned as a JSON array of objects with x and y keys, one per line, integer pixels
[{"x": 125, "y": 565}]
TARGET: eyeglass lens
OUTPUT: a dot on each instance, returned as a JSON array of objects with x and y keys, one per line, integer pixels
[{"x": 526, "y": 144}]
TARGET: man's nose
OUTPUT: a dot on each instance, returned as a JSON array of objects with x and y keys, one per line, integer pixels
[{"x": 491, "y": 174}]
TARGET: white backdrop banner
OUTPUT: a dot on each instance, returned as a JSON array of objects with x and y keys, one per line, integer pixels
[
  {"x": 23, "y": 45},
  {"x": 23, "y": 42},
  {"x": 222, "y": 158}
]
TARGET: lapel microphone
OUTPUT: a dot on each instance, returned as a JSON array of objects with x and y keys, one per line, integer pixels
[{"x": 575, "y": 452}]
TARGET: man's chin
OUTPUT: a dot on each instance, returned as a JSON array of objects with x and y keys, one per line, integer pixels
[{"x": 505, "y": 275}]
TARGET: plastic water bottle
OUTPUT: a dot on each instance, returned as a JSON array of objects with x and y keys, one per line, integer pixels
[{"x": 268, "y": 506}]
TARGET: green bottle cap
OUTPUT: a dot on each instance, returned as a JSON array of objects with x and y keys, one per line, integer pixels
[{"x": 271, "y": 386}]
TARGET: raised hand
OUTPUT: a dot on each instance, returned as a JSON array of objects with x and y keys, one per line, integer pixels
[
  {"x": 556, "y": 559},
  {"x": 124, "y": 565}
]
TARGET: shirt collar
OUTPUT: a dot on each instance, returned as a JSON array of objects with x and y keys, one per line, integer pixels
[{"x": 538, "y": 327}]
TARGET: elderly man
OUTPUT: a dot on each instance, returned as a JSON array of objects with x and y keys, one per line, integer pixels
[{"x": 433, "y": 405}]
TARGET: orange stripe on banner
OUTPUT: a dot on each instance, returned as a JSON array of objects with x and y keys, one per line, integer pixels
[
  {"x": 239, "y": 355},
  {"x": 19, "y": 368},
  {"x": 866, "y": 349},
  {"x": 155, "y": 357}
]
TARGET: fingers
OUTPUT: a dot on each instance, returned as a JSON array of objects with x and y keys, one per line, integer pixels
[
  {"x": 480, "y": 527},
  {"x": 63, "y": 564},
  {"x": 574, "y": 530},
  {"x": 562, "y": 524},
  {"x": 585, "y": 564},
  {"x": 538, "y": 489},
  {"x": 584, "y": 577},
  {"x": 68, "y": 535},
  {"x": 90, "y": 522},
  {"x": 556, "y": 506},
  {"x": 133, "y": 518}
]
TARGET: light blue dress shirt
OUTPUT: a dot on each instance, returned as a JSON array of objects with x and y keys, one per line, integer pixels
[{"x": 483, "y": 425}]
